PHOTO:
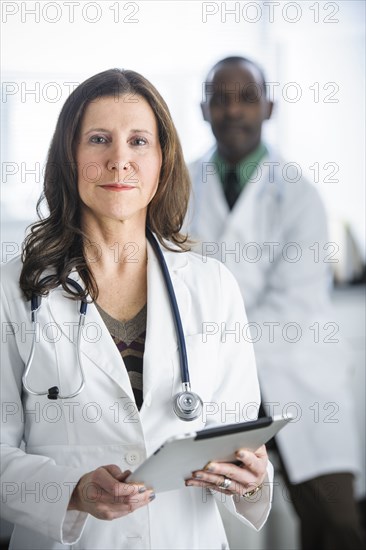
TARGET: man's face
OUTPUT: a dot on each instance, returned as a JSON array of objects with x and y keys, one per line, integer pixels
[{"x": 236, "y": 107}]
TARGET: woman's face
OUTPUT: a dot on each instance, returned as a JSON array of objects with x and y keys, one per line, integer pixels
[{"x": 118, "y": 159}]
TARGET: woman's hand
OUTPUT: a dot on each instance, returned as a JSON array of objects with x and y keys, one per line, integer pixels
[
  {"x": 230, "y": 479},
  {"x": 103, "y": 494}
]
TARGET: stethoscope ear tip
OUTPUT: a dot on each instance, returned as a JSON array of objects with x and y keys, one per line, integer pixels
[{"x": 53, "y": 392}]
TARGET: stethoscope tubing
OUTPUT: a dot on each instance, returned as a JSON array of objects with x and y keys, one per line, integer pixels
[
  {"x": 183, "y": 362},
  {"x": 35, "y": 305}
]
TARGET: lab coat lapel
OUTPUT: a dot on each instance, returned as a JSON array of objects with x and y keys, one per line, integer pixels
[
  {"x": 220, "y": 229},
  {"x": 214, "y": 222},
  {"x": 242, "y": 214},
  {"x": 161, "y": 343},
  {"x": 96, "y": 342},
  {"x": 252, "y": 215}
]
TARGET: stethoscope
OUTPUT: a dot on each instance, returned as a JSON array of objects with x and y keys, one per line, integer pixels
[{"x": 187, "y": 405}]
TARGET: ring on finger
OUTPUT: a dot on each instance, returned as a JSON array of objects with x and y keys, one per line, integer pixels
[
  {"x": 226, "y": 483},
  {"x": 253, "y": 492}
]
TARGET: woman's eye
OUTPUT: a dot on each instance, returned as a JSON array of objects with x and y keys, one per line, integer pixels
[
  {"x": 98, "y": 139},
  {"x": 139, "y": 141}
]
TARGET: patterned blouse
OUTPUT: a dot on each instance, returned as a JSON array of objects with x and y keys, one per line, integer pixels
[{"x": 129, "y": 337}]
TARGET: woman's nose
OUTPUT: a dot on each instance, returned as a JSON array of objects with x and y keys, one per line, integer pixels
[
  {"x": 118, "y": 157},
  {"x": 124, "y": 171},
  {"x": 121, "y": 164},
  {"x": 118, "y": 166}
]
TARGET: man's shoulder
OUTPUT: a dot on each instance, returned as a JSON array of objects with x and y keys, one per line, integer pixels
[{"x": 290, "y": 178}]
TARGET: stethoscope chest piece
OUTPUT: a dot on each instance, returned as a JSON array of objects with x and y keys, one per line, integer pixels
[{"x": 187, "y": 405}]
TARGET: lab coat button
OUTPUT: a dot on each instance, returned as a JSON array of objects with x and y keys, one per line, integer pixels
[{"x": 132, "y": 457}]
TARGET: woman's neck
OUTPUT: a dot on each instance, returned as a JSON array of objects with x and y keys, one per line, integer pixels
[
  {"x": 117, "y": 257},
  {"x": 114, "y": 246}
]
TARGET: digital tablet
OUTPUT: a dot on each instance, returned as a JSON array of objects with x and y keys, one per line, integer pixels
[{"x": 179, "y": 456}]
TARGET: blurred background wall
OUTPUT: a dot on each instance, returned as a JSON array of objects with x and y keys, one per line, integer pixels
[
  {"x": 314, "y": 58},
  {"x": 312, "y": 53}
]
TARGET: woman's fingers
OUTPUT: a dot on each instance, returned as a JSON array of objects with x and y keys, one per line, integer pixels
[
  {"x": 103, "y": 493},
  {"x": 108, "y": 483},
  {"x": 116, "y": 472},
  {"x": 247, "y": 457},
  {"x": 255, "y": 462},
  {"x": 215, "y": 481},
  {"x": 246, "y": 477}
]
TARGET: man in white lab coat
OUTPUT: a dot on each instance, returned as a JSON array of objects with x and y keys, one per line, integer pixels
[{"x": 254, "y": 212}]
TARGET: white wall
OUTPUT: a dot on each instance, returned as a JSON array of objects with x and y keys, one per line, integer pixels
[{"x": 326, "y": 125}]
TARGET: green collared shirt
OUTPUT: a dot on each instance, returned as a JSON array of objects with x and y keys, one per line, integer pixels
[{"x": 244, "y": 169}]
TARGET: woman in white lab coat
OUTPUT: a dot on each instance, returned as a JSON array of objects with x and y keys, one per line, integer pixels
[{"x": 115, "y": 164}]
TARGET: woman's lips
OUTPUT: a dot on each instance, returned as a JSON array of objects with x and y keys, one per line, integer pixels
[{"x": 117, "y": 187}]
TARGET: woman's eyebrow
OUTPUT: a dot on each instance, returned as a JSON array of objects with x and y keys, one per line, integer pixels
[
  {"x": 96, "y": 130},
  {"x": 132, "y": 130},
  {"x": 141, "y": 130}
]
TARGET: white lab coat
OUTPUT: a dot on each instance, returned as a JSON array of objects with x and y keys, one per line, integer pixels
[
  {"x": 271, "y": 241},
  {"x": 65, "y": 439}
]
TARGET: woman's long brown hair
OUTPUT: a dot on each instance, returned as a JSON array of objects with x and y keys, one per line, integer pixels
[{"x": 55, "y": 244}]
